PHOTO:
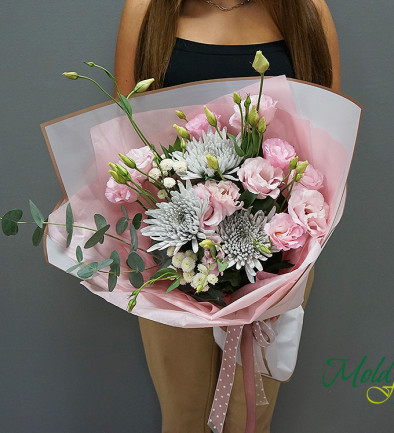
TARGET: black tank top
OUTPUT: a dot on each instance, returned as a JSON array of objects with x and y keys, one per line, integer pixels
[{"x": 195, "y": 61}]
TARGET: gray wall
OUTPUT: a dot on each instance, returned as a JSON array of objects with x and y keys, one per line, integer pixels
[{"x": 69, "y": 361}]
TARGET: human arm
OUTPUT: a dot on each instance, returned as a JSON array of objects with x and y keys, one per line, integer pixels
[{"x": 126, "y": 45}]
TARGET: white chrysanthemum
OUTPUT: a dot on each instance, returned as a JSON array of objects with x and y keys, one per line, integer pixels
[
  {"x": 202, "y": 268},
  {"x": 169, "y": 182},
  {"x": 177, "y": 222},
  {"x": 170, "y": 251},
  {"x": 210, "y": 143},
  {"x": 191, "y": 254},
  {"x": 188, "y": 276},
  {"x": 212, "y": 279},
  {"x": 188, "y": 264},
  {"x": 155, "y": 173},
  {"x": 166, "y": 164},
  {"x": 197, "y": 280},
  {"x": 162, "y": 194},
  {"x": 241, "y": 234},
  {"x": 180, "y": 167},
  {"x": 177, "y": 259}
]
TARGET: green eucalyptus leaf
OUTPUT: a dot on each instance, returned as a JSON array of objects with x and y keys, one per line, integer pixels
[
  {"x": 137, "y": 220},
  {"x": 74, "y": 267},
  {"x": 104, "y": 264},
  {"x": 115, "y": 266},
  {"x": 135, "y": 262},
  {"x": 36, "y": 214},
  {"x": 112, "y": 280},
  {"x": 174, "y": 285},
  {"x": 124, "y": 212},
  {"x": 88, "y": 270},
  {"x": 121, "y": 225},
  {"x": 69, "y": 224},
  {"x": 95, "y": 239},
  {"x": 9, "y": 222},
  {"x": 38, "y": 235},
  {"x": 100, "y": 221},
  {"x": 133, "y": 238},
  {"x": 136, "y": 279},
  {"x": 79, "y": 254},
  {"x": 69, "y": 238}
]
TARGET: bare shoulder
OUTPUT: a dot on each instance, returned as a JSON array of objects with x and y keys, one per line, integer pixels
[
  {"x": 332, "y": 39},
  {"x": 126, "y": 45}
]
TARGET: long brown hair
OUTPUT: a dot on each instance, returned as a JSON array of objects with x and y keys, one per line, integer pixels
[{"x": 297, "y": 20}]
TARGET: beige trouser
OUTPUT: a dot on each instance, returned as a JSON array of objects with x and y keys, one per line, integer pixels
[{"x": 184, "y": 367}]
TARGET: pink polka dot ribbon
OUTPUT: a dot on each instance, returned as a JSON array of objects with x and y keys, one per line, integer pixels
[{"x": 240, "y": 337}]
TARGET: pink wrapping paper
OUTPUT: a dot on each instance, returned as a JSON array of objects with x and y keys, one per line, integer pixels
[{"x": 266, "y": 297}]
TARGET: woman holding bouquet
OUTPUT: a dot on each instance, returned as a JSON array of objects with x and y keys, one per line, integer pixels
[{"x": 176, "y": 42}]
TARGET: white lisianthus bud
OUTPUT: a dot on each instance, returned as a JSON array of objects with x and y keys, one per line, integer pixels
[
  {"x": 206, "y": 244},
  {"x": 169, "y": 182},
  {"x": 253, "y": 117},
  {"x": 129, "y": 162},
  {"x": 182, "y": 132},
  {"x": 236, "y": 98},
  {"x": 293, "y": 163},
  {"x": 191, "y": 254},
  {"x": 91, "y": 64},
  {"x": 260, "y": 63},
  {"x": 167, "y": 164},
  {"x": 162, "y": 194},
  {"x": 201, "y": 288},
  {"x": 261, "y": 127},
  {"x": 298, "y": 177},
  {"x": 210, "y": 117},
  {"x": 180, "y": 167},
  {"x": 212, "y": 161},
  {"x": 155, "y": 173},
  {"x": 301, "y": 167},
  {"x": 143, "y": 85},
  {"x": 71, "y": 75},
  {"x": 117, "y": 177},
  {"x": 170, "y": 251},
  {"x": 188, "y": 276},
  {"x": 212, "y": 279},
  {"x": 181, "y": 115},
  {"x": 188, "y": 264}
]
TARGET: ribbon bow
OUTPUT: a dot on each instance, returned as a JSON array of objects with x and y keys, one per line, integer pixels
[{"x": 240, "y": 336}]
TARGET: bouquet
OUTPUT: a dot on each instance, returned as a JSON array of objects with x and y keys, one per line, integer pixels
[{"x": 214, "y": 220}]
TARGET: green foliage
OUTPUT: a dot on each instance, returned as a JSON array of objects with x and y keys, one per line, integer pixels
[
  {"x": 265, "y": 205},
  {"x": 222, "y": 266},
  {"x": 176, "y": 147},
  {"x": 238, "y": 150},
  {"x": 121, "y": 225},
  {"x": 88, "y": 270},
  {"x": 165, "y": 151},
  {"x": 167, "y": 272},
  {"x": 124, "y": 102},
  {"x": 38, "y": 235},
  {"x": 36, "y": 214},
  {"x": 95, "y": 239},
  {"x": 125, "y": 212},
  {"x": 135, "y": 262},
  {"x": 9, "y": 221},
  {"x": 69, "y": 224},
  {"x": 79, "y": 254},
  {"x": 248, "y": 198},
  {"x": 114, "y": 270},
  {"x": 137, "y": 220},
  {"x": 136, "y": 279},
  {"x": 174, "y": 285},
  {"x": 133, "y": 238}
]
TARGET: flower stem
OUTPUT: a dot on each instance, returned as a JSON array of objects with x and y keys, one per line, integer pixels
[{"x": 260, "y": 91}]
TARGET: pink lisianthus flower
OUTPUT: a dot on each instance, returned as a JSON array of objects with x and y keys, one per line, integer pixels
[
  {"x": 311, "y": 179},
  {"x": 260, "y": 177},
  {"x": 199, "y": 123},
  {"x": 222, "y": 201},
  {"x": 143, "y": 158},
  {"x": 278, "y": 152},
  {"x": 267, "y": 109},
  {"x": 308, "y": 209},
  {"x": 285, "y": 233},
  {"x": 119, "y": 193}
]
